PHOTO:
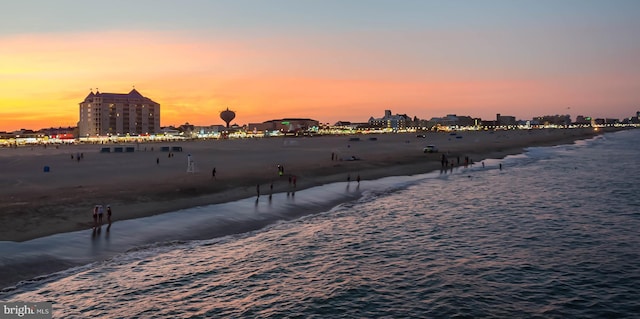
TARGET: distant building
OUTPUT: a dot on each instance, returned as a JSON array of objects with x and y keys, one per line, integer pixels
[
  {"x": 559, "y": 120},
  {"x": 583, "y": 120},
  {"x": 346, "y": 125},
  {"x": 632, "y": 119},
  {"x": 395, "y": 122},
  {"x": 501, "y": 122},
  {"x": 453, "y": 120},
  {"x": 447, "y": 121},
  {"x": 170, "y": 131},
  {"x": 505, "y": 120},
  {"x": 63, "y": 133},
  {"x": 606, "y": 121},
  {"x": 210, "y": 129},
  {"x": 288, "y": 125},
  {"x": 118, "y": 114},
  {"x": 343, "y": 124}
]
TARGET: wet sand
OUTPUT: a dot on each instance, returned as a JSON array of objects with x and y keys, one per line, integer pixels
[{"x": 148, "y": 181}]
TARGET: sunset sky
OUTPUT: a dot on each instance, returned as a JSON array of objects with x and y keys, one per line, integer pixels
[{"x": 327, "y": 60}]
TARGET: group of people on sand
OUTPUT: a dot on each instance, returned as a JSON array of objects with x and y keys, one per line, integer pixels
[
  {"x": 78, "y": 157},
  {"x": 98, "y": 213},
  {"x": 450, "y": 163}
]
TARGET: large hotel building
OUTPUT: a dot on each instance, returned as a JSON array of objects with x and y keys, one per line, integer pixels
[{"x": 103, "y": 114}]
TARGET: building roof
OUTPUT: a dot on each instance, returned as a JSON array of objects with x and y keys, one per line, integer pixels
[
  {"x": 396, "y": 117},
  {"x": 133, "y": 95}
]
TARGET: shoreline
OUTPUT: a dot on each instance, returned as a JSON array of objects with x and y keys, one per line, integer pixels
[{"x": 150, "y": 182}]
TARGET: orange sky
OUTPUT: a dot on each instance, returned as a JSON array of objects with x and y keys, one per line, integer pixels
[{"x": 328, "y": 76}]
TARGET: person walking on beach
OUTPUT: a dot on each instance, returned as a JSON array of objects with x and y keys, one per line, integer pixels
[
  {"x": 213, "y": 173},
  {"x": 95, "y": 216},
  {"x": 258, "y": 190},
  {"x": 109, "y": 214},
  {"x": 100, "y": 213},
  {"x": 358, "y": 178},
  {"x": 348, "y": 178},
  {"x": 280, "y": 170},
  {"x": 157, "y": 160}
]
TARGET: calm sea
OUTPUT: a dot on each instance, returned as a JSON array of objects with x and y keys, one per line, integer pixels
[{"x": 555, "y": 233}]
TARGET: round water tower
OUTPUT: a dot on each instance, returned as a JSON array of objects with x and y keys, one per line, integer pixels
[{"x": 227, "y": 116}]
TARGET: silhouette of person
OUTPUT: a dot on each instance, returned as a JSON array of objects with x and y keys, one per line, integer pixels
[
  {"x": 95, "y": 216},
  {"x": 109, "y": 214},
  {"x": 100, "y": 213}
]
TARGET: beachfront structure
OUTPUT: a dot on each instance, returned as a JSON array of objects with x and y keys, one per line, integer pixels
[
  {"x": 501, "y": 122},
  {"x": 453, "y": 121},
  {"x": 117, "y": 114},
  {"x": 394, "y": 122},
  {"x": 505, "y": 120},
  {"x": 584, "y": 120},
  {"x": 632, "y": 120},
  {"x": 284, "y": 126},
  {"x": 555, "y": 120}
]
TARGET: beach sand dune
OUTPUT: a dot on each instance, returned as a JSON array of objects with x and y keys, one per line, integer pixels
[{"x": 147, "y": 181}]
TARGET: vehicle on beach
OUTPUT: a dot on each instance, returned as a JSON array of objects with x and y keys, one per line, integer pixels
[
  {"x": 430, "y": 149},
  {"x": 421, "y": 136}
]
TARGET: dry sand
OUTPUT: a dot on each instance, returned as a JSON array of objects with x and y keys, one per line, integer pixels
[{"x": 35, "y": 203}]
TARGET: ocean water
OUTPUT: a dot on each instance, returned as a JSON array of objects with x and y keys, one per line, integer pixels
[{"x": 555, "y": 233}]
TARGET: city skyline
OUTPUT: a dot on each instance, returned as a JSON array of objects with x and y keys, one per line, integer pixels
[
  {"x": 326, "y": 60},
  {"x": 536, "y": 120}
]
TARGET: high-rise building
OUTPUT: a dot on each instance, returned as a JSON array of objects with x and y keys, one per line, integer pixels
[{"x": 118, "y": 114}]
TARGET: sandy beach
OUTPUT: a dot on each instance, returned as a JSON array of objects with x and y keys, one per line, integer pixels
[{"x": 149, "y": 181}]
